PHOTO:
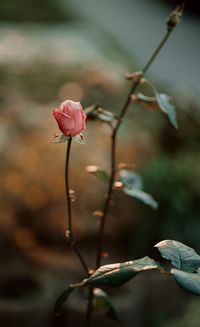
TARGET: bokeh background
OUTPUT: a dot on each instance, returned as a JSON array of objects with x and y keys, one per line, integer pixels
[{"x": 55, "y": 50}]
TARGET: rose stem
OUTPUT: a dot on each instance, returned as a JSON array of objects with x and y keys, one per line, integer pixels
[
  {"x": 69, "y": 233},
  {"x": 113, "y": 161}
]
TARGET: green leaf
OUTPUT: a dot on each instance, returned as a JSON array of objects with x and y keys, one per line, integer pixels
[
  {"x": 132, "y": 186},
  {"x": 62, "y": 299},
  {"x": 182, "y": 256},
  {"x": 103, "y": 304},
  {"x": 119, "y": 273},
  {"x": 91, "y": 110},
  {"x": 99, "y": 173},
  {"x": 189, "y": 281},
  {"x": 130, "y": 179},
  {"x": 141, "y": 196},
  {"x": 146, "y": 101},
  {"x": 145, "y": 98},
  {"x": 61, "y": 138},
  {"x": 166, "y": 105},
  {"x": 78, "y": 138},
  {"x": 105, "y": 115},
  {"x": 163, "y": 101}
]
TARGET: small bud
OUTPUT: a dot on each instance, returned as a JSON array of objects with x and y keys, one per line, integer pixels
[
  {"x": 70, "y": 118},
  {"x": 174, "y": 17}
]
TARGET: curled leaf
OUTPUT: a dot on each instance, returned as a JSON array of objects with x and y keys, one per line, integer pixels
[{"x": 119, "y": 273}]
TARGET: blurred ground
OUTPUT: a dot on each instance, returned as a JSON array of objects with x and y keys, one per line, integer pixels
[{"x": 42, "y": 63}]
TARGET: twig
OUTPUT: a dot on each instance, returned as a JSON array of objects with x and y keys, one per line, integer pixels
[
  {"x": 113, "y": 145},
  {"x": 89, "y": 308}
]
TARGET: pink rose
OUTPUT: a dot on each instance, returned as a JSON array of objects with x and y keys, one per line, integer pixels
[{"x": 70, "y": 117}]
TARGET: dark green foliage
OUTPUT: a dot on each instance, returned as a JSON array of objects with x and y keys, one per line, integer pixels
[
  {"x": 103, "y": 304},
  {"x": 182, "y": 256},
  {"x": 119, "y": 273},
  {"x": 186, "y": 260},
  {"x": 189, "y": 281},
  {"x": 62, "y": 299},
  {"x": 132, "y": 186}
]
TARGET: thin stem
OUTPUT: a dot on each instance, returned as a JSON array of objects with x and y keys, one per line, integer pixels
[
  {"x": 113, "y": 146},
  {"x": 69, "y": 212},
  {"x": 137, "y": 81},
  {"x": 89, "y": 308},
  {"x": 155, "y": 53},
  {"x": 107, "y": 201},
  {"x": 69, "y": 232}
]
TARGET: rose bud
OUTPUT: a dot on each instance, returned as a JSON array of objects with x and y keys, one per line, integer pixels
[{"x": 70, "y": 118}]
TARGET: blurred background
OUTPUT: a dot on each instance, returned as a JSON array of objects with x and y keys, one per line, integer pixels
[{"x": 55, "y": 50}]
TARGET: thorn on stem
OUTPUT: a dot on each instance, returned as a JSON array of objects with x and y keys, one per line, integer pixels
[{"x": 98, "y": 213}]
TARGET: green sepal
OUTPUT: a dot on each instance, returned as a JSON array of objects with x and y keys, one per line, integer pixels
[
  {"x": 78, "y": 138},
  {"x": 61, "y": 138}
]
